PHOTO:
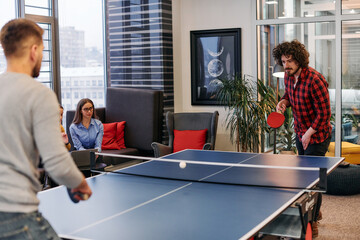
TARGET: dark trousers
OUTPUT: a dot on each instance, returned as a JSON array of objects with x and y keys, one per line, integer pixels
[{"x": 316, "y": 149}]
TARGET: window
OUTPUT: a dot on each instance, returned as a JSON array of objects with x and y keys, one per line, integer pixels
[
  {"x": 7, "y": 12},
  {"x": 350, "y": 81},
  {"x": 294, "y": 8},
  {"x": 350, "y": 7},
  {"x": 38, "y": 7},
  {"x": 81, "y": 47},
  {"x": 42, "y": 12},
  {"x": 81, "y": 36},
  {"x": 46, "y": 72}
]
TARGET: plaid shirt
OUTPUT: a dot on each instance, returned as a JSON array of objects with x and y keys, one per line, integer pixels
[{"x": 310, "y": 104}]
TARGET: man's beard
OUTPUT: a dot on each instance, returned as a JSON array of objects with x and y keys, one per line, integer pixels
[
  {"x": 36, "y": 70},
  {"x": 292, "y": 74}
]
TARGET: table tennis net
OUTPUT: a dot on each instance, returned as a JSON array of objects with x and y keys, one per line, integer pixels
[{"x": 225, "y": 173}]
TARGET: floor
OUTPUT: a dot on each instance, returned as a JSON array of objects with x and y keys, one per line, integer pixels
[{"x": 341, "y": 218}]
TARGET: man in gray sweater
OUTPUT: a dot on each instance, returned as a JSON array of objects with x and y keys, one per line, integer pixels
[{"x": 29, "y": 126}]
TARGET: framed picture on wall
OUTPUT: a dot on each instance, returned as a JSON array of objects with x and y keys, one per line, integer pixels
[{"x": 215, "y": 54}]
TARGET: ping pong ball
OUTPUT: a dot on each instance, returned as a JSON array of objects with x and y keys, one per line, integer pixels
[
  {"x": 85, "y": 197},
  {"x": 182, "y": 164}
]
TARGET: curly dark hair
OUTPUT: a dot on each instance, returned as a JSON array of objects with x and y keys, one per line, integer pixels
[{"x": 295, "y": 49}]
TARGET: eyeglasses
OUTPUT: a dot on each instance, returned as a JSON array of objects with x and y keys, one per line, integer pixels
[{"x": 88, "y": 109}]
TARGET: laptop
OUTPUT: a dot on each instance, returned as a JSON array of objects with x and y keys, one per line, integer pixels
[{"x": 82, "y": 158}]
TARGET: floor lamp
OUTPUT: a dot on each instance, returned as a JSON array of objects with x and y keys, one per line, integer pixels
[{"x": 278, "y": 73}]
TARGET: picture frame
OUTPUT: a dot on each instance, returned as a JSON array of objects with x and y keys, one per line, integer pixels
[{"x": 215, "y": 54}]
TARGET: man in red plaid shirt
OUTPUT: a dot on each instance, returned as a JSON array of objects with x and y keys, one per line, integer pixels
[{"x": 306, "y": 92}]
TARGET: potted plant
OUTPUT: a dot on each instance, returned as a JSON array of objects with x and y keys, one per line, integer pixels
[
  {"x": 248, "y": 103},
  {"x": 287, "y": 135}
]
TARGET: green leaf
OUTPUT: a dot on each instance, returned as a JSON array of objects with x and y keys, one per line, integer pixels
[{"x": 248, "y": 103}]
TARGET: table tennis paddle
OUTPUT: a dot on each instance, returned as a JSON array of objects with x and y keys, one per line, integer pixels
[
  {"x": 73, "y": 194},
  {"x": 275, "y": 119}
]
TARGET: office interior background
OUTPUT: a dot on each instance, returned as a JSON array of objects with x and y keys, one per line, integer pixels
[{"x": 94, "y": 44}]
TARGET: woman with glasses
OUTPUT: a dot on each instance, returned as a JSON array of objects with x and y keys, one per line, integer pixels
[{"x": 86, "y": 131}]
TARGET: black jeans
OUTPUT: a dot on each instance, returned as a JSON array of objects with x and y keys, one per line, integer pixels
[{"x": 315, "y": 149}]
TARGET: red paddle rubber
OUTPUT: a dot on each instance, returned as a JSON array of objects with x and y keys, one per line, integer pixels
[{"x": 275, "y": 119}]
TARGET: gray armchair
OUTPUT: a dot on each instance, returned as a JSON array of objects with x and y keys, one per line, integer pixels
[{"x": 188, "y": 121}]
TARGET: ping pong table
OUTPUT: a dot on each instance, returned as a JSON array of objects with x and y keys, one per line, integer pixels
[{"x": 125, "y": 206}]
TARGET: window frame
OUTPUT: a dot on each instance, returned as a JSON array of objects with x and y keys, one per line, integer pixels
[{"x": 53, "y": 21}]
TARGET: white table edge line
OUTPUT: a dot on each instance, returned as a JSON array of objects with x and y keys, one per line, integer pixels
[
  {"x": 280, "y": 210},
  {"x": 214, "y": 163},
  {"x": 72, "y": 237},
  {"x": 271, "y": 217}
]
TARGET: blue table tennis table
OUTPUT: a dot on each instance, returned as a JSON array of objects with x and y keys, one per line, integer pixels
[{"x": 139, "y": 207}]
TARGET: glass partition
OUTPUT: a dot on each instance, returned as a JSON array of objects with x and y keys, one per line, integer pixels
[
  {"x": 350, "y": 6},
  {"x": 350, "y": 81},
  {"x": 275, "y": 9},
  {"x": 319, "y": 40}
]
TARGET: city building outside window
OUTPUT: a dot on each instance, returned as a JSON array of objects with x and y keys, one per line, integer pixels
[{"x": 82, "y": 57}]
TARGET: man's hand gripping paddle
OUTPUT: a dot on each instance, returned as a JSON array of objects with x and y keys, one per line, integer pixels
[
  {"x": 78, "y": 194},
  {"x": 275, "y": 119}
]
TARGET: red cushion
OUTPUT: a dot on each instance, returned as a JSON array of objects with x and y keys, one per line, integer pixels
[
  {"x": 113, "y": 136},
  {"x": 109, "y": 138},
  {"x": 189, "y": 139},
  {"x": 120, "y": 134}
]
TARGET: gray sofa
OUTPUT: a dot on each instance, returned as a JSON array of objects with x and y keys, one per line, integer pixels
[{"x": 142, "y": 109}]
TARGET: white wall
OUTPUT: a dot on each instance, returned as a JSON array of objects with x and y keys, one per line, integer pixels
[{"x": 191, "y": 15}]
